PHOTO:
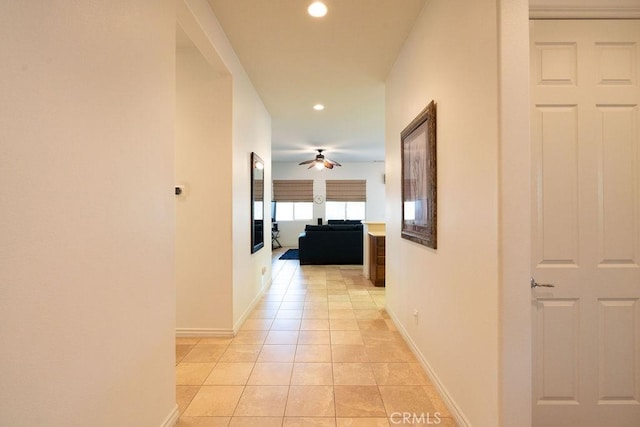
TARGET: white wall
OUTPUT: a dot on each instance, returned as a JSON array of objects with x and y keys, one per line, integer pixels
[
  {"x": 515, "y": 216},
  {"x": 373, "y": 172},
  {"x": 203, "y": 210},
  {"x": 87, "y": 297},
  {"x": 451, "y": 57},
  {"x": 250, "y": 131}
]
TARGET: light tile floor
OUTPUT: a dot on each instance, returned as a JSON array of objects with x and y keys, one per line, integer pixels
[{"x": 318, "y": 350}]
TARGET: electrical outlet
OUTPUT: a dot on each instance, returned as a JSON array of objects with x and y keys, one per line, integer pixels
[{"x": 264, "y": 270}]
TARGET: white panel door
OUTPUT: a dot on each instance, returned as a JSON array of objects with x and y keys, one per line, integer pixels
[{"x": 586, "y": 222}]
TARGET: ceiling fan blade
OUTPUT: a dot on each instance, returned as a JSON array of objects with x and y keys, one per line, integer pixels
[{"x": 320, "y": 160}]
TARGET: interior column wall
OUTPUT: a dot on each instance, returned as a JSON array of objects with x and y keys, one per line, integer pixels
[
  {"x": 250, "y": 132},
  {"x": 515, "y": 215},
  {"x": 87, "y": 296},
  {"x": 203, "y": 210}
]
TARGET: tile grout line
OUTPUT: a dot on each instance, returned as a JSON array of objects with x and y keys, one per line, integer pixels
[{"x": 280, "y": 298}]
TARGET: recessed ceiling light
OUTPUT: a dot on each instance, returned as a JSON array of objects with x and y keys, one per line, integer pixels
[
  {"x": 317, "y": 9},
  {"x": 318, "y": 107}
]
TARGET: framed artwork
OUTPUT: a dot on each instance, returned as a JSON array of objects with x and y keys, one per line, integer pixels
[{"x": 419, "y": 189}]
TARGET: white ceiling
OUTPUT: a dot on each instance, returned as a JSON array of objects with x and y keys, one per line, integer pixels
[{"x": 341, "y": 61}]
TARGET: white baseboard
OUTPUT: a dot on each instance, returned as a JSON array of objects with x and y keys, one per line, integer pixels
[
  {"x": 172, "y": 418},
  {"x": 219, "y": 332},
  {"x": 456, "y": 412},
  {"x": 247, "y": 312},
  {"x": 203, "y": 332}
]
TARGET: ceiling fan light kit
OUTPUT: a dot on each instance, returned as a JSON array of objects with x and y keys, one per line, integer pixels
[
  {"x": 320, "y": 162},
  {"x": 317, "y": 9}
]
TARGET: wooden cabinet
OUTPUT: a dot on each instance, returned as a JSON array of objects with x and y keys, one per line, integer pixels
[{"x": 376, "y": 259}]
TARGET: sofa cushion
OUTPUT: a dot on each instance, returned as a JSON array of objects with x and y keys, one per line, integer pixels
[
  {"x": 334, "y": 227},
  {"x": 317, "y": 228},
  {"x": 345, "y": 227},
  {"x": 344, "y": 221}
]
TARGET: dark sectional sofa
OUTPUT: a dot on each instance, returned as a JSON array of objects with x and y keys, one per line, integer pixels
[{"x": 339, "y": 242}]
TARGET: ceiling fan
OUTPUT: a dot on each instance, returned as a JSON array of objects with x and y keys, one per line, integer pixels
[{"x": 320, "y": 161}]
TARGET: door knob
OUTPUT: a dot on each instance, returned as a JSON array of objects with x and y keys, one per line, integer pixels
[{"x": 535, "y": 284}]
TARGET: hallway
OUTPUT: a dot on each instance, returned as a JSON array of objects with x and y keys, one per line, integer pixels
[{"x": 318, "y": 350}]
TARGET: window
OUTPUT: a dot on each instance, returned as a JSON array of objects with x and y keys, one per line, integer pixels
[
  {"x": 294, "y": 211},
  {"x": 409, "y": 210},
  {"x": 294, "y": 200},
  {"x": 345, "y": 210},
  {"x": 346, "y": 199},
  {"x": 258, "y": 209}
]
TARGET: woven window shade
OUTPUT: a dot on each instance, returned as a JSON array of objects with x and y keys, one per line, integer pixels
[
  {"x": 259, "y": 186},
  {"x": 347, "y": 190},
  {"x": 409, "y": 185},
  {"x": 293, "y": 190}
]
